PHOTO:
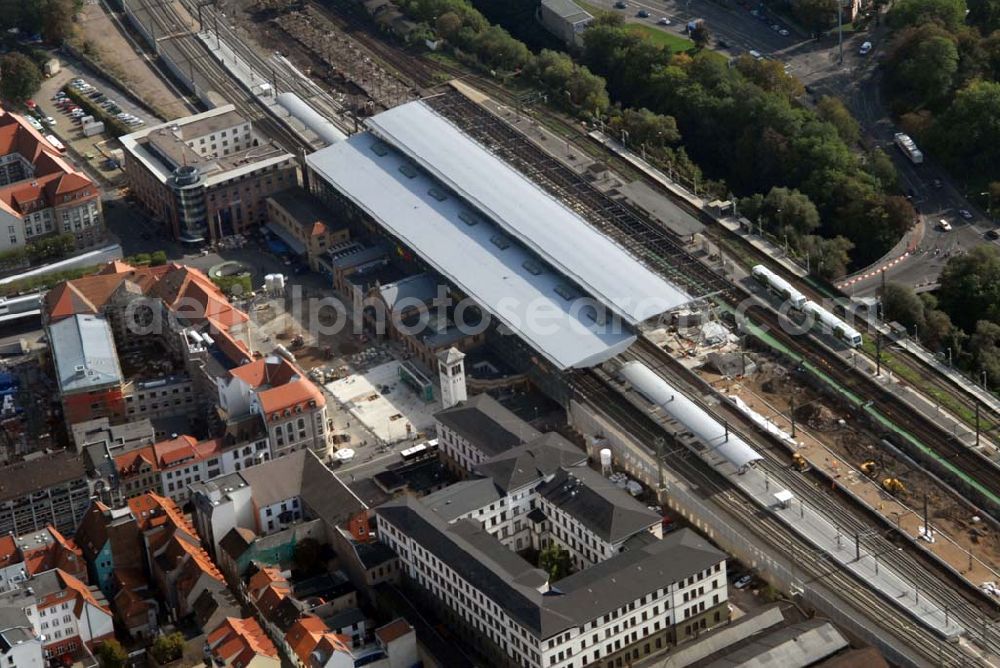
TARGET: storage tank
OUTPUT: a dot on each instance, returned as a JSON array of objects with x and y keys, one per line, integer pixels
[{"x": 605, "y": 461}]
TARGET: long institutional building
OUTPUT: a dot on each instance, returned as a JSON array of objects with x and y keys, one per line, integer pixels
[
  {"x": 530, "y": 261},
  {"x": 492, "y": 235}
]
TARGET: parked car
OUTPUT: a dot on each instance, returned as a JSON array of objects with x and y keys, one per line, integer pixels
[
  {"x": 992, "y": 234},
  {"x": 621, "y": 4},
  {"x": 664, "y": 21},
  {"x": 643, "y": 14},
  {"x": 966, "y": 214},
  {"x": 944, "y": 225},
  {"x": 784, "y": 32},
  {"x": 865, "y": 49},
  {"x": 743, "y": 581}
]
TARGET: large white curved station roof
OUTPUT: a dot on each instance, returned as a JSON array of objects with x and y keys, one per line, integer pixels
[
  {"x": 700, "y": 423},
  {"x": 495, "y": 270},
  {"x": 545, "y": 225}
]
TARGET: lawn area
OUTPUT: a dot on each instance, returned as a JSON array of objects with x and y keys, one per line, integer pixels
[{"x": 675, "y": 43}]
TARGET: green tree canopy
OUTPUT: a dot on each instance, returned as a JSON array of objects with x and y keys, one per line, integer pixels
[
  {"x": 19, "y": 77},
  {"x": 923, "y": 63},
  {"x": 555, "y": 561},
  {"x": 984, "y": 344},
  {"x": 968, "y": 132},
  {"x": 985, "y": 14},
  {"x": 111, "y": 654},
  {"x": 815, "y": 14},
  {"x": 949, "y": 13},
  {"x": 970, "y": 287},
  {"x": 833, "y": 111},
  {"x": 168, "y": 648},
  {"x": 901, "y": 304}
]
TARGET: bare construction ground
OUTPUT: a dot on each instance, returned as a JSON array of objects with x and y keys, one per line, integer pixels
[{"x": 829, "y": 441}]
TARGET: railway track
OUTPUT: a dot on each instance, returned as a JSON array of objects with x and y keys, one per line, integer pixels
[
  {"x": 837, "y": 584},
  {"x": 668, "y": 256},
  {"x": 196, "y": 54},
  {"x": 974, "y": 612}
]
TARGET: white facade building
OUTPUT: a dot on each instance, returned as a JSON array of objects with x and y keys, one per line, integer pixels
[{"x": 630, "y": 606}]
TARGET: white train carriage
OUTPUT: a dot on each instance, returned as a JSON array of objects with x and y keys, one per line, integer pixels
[
  {"x": 838, "y": 327},
  {"x": 779, "y": 286},
  {"x": 716, "y": 437}
]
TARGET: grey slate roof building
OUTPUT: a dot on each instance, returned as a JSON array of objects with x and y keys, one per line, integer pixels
[
  {"x": 83, "y": 349},
  {"x": 527, "y": 463},
  {"x": 597, "y": 503},
  {"x": 483, "y": 424},
  {"x": 464, "y": 549}
]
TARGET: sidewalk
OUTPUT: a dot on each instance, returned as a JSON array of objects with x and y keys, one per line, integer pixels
[{"x": 903, "y": 249}]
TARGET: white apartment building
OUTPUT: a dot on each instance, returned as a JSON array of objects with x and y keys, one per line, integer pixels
[
  {"x": 627, "y": 607},
  {"x": 474, "y": 430},
  {"x": 292, "y": 408},
  {"x": 542, "y": 492},
  {"x": 63, "y": 611},
  {"x": 20, "y": 646}
]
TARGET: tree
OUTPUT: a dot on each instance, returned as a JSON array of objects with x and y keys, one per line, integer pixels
[
  {"x": 448, "y": 24},
  {"x": 924, "y": 69},
  {"x": 815, "y": 15},
  {"x": 970, "y": 287},
  {"x": 833, "y": 111},
  {"x": 984, "y": 344},
  {"x": 828, "y": 257},
  {"x": 111, "y": 654},
  {"x": 168, "y": 648},
  {"x": 967, "y": 134},
  {"x": 948, "y": 13},
  {"x": 57, "y": 20},
  {"x": 19, "y": 77},
  {"x": 937, "y": 331},
  {"x": 789, "y": 212},
  {"x": 700, "y": 35},
  {"x": 555, "y": 561},
  {"x": 901, "y": 303},
  {"x": 769, "y": 75},
  {"x": 883, "y": 169},
  {"x": 307, "y": 556},
  {"x": 985, "y": 14}
]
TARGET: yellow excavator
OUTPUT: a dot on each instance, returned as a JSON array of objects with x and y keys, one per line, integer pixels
[
  {"x": 893, "y": 485},
  {"x": 869, "y": 467},
  {"x": 799, "y": 462}
]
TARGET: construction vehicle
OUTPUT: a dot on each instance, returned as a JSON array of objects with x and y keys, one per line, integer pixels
[
  {"x": 800, "y": 462},
  {"x": 868, "y": 467},
  {"x": 893, "y": 486}
]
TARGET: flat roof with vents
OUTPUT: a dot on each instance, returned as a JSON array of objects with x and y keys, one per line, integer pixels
[
  {"x": 546, "y": 226},
  {"x": 507, "y": 280}
]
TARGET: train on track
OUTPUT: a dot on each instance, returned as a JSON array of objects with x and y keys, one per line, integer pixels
[
  {"x": 815, "y": 314},
  {"x": 716, "y": 436}
]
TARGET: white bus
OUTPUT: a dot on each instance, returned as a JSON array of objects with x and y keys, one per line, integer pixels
[{"x": 909, "y": 148}]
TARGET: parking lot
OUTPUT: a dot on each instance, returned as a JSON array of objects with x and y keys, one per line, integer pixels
[{"x": 95, "y": 149}]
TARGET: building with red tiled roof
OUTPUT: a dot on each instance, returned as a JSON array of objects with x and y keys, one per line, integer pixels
[
  {"x": 242, "y": 643},
  {"x": 181, "y": 568},
  {"x": 65, "y": 611},
  {"x": 306, "y": 634},
  {"x": 149, "y": 311},
  {"x": 290, "y": 405},
  {"x": 41, "y": 193}
]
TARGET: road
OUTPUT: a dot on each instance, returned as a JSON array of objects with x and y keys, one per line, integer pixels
[{"x": 736, "y": 27}]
